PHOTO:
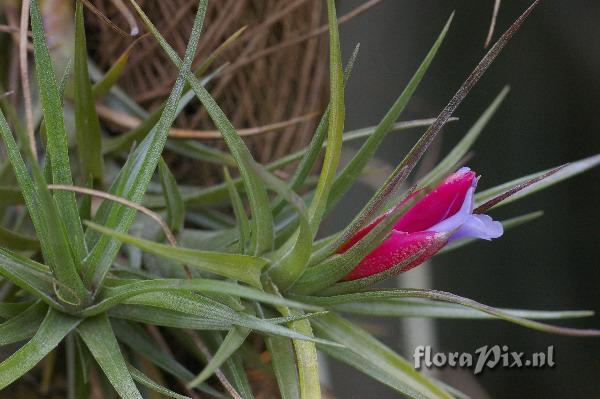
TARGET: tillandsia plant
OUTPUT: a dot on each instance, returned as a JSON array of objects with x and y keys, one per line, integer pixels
[{"x": 178, "y": 304}]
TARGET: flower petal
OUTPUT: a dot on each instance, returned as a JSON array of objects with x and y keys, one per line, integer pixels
[
  {"x": 441, "y": 203},
  {"x": 398, "y": 247},
  {"x": 479, "y": 226},
  {"x": 459, "y": 218}
]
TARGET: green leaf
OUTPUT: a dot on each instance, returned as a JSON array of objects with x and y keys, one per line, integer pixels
[
  {"x": 448, "y": 298},
  {"x": 234, "y": 339},
  {"x": 239, "y": 267},
  {"x": 101, "y": 88},
  {"x": 138, "y": 171},
  {"x": 44, "y": 215},
  {"x": 77, "y": 361},
  {"x": 335, "y": 123},
  {"x": 565, "y": 172},
  {"x": 306, "y": 360},
  {"x": 29, "y": 275},
  {"x": 134, "y": 336},
  {"x": 57, "y": 144},
  {"x": 146, "y": 381},
  {"x": 98, "y": 335},
  {"x": 238, "y": 209},
  {"x": 87, "y": 124},
  {"x": 309, "y": 155},
  {"x": 354, "y": 168},
  {"x": 208, "y": 308},
  {"x": 371, "y": 357},
  {"x": 10, "y": 195},
  {"x": 236, "y": 373},
  {"x": 23, "y": 325},
  {"x": 11, "y": 309},
  {"x": 217, "y": 194},
  {"x": 167, "y": 318},
  {"x": 200, "y": 152},
  {"x": 17, "y": 241},
  {"x": 397, "y": 307},
  {"x": 51, "y": 332},
  {"x": 189, "y": 342},
  {"x": 460, "y": 150},
  {"x": 125, "y": 289},
  {"x": 283, "y": 360},
  {"x": 290, "y": 260},
  {"x": 262, "y": 219},
  {"x": 208, "y": 61},
  {"x": 137, "y": 134},
  {"x": 175, "y": 205}
]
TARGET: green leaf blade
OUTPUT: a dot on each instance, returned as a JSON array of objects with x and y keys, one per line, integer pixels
[
  {"x": 239, "y": 267},
  {"x": 98, "y": 336},
  {"x": 52, "y": 331},
  {"x": 87, "y": 124},
  {"x": 140, "y": 169}
]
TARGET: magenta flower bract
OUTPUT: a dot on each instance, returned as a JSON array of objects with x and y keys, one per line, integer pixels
[{"x": 443, "y": 215}]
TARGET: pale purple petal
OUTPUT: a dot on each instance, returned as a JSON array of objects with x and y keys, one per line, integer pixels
[
  {"x": 459, "y": 218},
  {"x": 478, "y": 226}
]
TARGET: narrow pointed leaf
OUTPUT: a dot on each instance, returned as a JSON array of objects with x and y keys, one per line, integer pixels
[
  {"x": 12, "y": 309},
  {"x": 23, "y": 325},
  {"x": 87, "y": 124},
  {"x": 175, "y": 205},
  {"x": 543, "y": 179},
  {"x": 139, "y": 170},
  {"x": 51, "y": 332},
  {"x": 354, "y": 168},
  {"x": 233, "y": 340},
  {"x": 395, "y": 307},
  {"x": 111, "y": 296},
  {"x": 239, "y": 267},
  {"x": 200, "y": 152},
  {"x": 283, "y": 361},
  {"x": 375, "y": 359},
  {"x": 262, "y": 219},
  {"x": 238, "y": 209},
  {"x": 146, "y": 381},
  {"x": 28, "y": 275},
  {"x": 311, "y": 153},
  {"x": 17, "y": 241},
  {"x": 306, "y": 360},
  {"x": 335, "y": 123},
  {"x": 217, "y": 194},
  {"x": 444, "y": 167},
  {"x": 98, "y": 336},
  {"x": 44, "y": 215},
  {"x": 208, "y": 308},
  {"x": 450, "y": 298},
  {"x": 167, "y": 318},
  {"x": 101, "y": 88},
  {"x": 56, "y": 133},
  {"x": 291, "y": 259}
]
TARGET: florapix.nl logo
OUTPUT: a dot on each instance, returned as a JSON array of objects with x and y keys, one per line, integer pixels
[{"x": 485, "y": 357}]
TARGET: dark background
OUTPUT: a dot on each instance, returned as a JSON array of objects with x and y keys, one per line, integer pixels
[{"x": 550, "y": 117}]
